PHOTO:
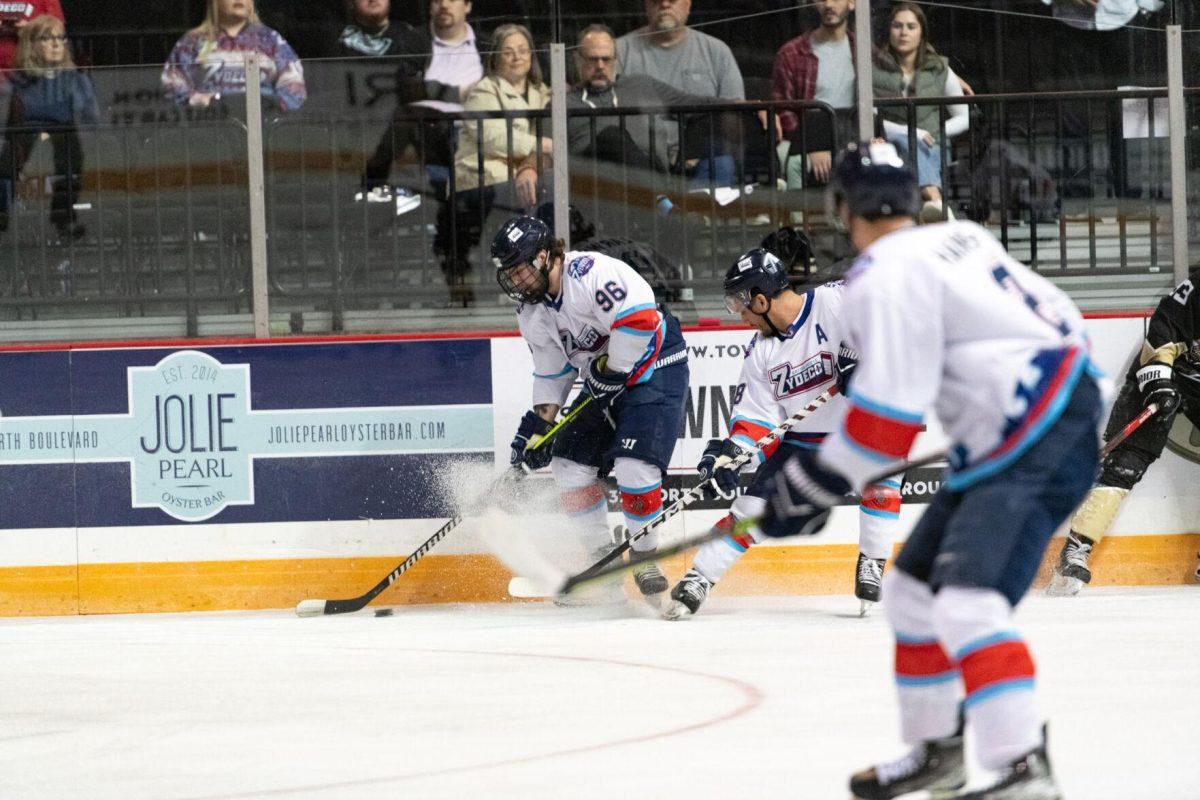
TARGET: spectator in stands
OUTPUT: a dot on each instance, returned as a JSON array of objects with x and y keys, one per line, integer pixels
[
  {"x": 484, "y": 160},
  {"x": 50, "y": 97},
  {"x": 14, "y": 17},
  {"x": 602, "y": 84},
  {"x": 208, "y": 62},
  {"x": 818, "y": 65},
  {"x": 438, "y": 68},
  {"x": 909, "y": 66},
  {"x": 693, "y": 62}
]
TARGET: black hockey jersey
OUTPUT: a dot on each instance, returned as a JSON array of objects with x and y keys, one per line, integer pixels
[{"x": 1175, "y": 321}]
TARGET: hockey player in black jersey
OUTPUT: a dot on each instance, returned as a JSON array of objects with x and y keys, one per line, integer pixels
[{"x": 1166, "y": 373}]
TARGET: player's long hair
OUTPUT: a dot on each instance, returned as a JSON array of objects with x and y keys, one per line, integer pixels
[
  {"x": 210, "y": 28},
  {"x": 924, "y": 48},
  {"x": 29, "y": 58}
]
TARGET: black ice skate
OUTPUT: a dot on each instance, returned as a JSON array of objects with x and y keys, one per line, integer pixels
[
  {"x": 688, "y": 595},
  {"x": 868, "y": 578},
  {"x": 1071, "y": 572},
  {"x": 650, "y": 579},
  {"x": 1027, "y": 778},
  {"x": 935, "y": 767}
]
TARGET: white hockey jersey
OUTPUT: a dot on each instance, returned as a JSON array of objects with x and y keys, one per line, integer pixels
[
  {"x": 781, "y": 376},
  {"x": 604, "y": 306},
  {"x": 944, "y": 318}
]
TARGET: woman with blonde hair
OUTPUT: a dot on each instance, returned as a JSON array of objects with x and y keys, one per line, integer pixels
[
  {"x": 512, "y": 81},
  {"x": 209, "y": 61},
  {"x": 49, "y": 96}
]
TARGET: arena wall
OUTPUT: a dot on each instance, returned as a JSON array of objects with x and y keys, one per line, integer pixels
[{"x": 238, "y": 475}]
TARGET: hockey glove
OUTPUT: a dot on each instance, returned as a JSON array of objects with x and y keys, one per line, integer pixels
[
  {"x": 799, "y": 497},
  {"x": 602, "y": 384},
  {"x": 847, "y": 360},
  {"x": 1154, "y": 382},
  {"x": 531, "y": 426},
  {"x": 715, "y": 466}
]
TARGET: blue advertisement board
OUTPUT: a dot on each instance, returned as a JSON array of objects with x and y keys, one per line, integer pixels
[{"x": 249, "y": 433}]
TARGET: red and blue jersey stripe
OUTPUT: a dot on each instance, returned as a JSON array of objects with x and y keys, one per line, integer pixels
[
  {"x": 1042, "y": 413},
  {"x": 642, "y": 320},
  {"x": 880, "y": 432}
]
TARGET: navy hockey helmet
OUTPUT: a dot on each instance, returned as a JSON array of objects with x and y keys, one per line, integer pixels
[
  {"x": 792, "y": 247},
  {"x": 518, "y": 243},
  {"x": 757, "y": 272},
  {"x": 874, "y": 182}
]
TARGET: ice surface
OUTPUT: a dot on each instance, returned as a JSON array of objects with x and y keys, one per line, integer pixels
[{"x": 755, "y": 698}]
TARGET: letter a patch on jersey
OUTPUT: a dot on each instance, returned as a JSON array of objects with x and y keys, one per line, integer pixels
[
  {"x": 821, "y": 337},
  {"x": 789, "y": 380}
]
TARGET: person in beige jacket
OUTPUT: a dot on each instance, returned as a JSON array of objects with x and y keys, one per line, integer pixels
[{"x": 488, "y": 173}]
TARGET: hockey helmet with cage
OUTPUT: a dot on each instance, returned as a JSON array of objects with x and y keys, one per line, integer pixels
[
  {"x": 758, "y": 272},
  {"x": 874, "y": 182},
  {"x": 518, "y": 243}
]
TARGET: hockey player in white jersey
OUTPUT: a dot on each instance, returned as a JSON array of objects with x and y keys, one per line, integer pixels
[
  {"x": 794, "y": 356},
  {"x": 944, "y": 319},
  {"x": 586, "y": 313}
]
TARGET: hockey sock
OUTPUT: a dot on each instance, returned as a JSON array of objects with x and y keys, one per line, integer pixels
[
  {"x": 1096, "y": 513},
  {"x": 975, "y": 626},
  {"x": 878, "y": 519},
  {"x": 584, "y": 503},
  {"x": 714, "y": 559},
  {"x": 927, "y": 681},
  {"x": 640, "y": 484}
]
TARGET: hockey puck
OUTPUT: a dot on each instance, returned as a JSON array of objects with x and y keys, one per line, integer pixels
[{"x": 383, "y": 612}]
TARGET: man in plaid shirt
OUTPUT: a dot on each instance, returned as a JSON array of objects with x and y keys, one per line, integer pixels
[{"x": 818, "y": 65}]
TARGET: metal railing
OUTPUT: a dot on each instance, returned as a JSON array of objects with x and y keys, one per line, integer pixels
[{"x": 165, "y": 205}]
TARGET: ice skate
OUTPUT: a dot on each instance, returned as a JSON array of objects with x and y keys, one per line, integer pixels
[
  {"x": 1071, "y": 572},
  {"x": 936, "y": 767},
  {"x": 651, "y": 582},
  {"x": 868, "y": 577},
  {"x": 687, "y": 596},
  {"x": 1027, "y": 778}
]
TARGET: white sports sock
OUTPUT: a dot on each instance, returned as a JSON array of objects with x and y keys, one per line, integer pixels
[
  {"x": 640, "y": 484},
  {"x": 927, "y": 682},
  {"x": 584, "y": 502},
  {"x": 714, "y": 559},
  {"x": 975, "y": 627},
  {"x": 879, "y": 519}
]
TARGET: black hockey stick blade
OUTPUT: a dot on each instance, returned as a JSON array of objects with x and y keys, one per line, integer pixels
[{"x": 569, "y": 583}]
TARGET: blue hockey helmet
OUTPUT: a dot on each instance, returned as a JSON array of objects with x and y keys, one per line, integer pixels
[
  {"x": 517, "y": 244},
  {"x": 759, "y": 271},
  {"x": 874, "y": 182}
]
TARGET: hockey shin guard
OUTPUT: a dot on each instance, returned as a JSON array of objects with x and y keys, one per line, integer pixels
[
  {"x": 879, "y": 518},
  {"x": 640, "y": 484}
]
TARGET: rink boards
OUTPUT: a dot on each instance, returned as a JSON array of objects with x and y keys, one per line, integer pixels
[{"x": 241, "y": 475}]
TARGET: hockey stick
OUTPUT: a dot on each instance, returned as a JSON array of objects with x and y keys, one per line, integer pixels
[
  {"x": 317, "y": 607},
  {"x": 566, "y": 584},
  {"x": 521, "y": 586},
  {"x": 1133, "y": 424}
]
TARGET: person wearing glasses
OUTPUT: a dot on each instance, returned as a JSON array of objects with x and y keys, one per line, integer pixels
[
  {"x": 497, "y": 160},
  {"x": 51, "y": 97},
  {"x": 14, "y": 17}
]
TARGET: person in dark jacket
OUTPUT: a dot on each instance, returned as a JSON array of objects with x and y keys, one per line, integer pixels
[{"x": 49, "y": 96}]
